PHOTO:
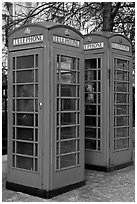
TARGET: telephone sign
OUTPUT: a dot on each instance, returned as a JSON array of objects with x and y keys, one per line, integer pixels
[{"x": 28, "y": 39}]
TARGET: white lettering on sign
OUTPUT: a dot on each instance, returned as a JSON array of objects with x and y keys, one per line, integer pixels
[
  {"x": 66, "y": 41},
  {"x": 94, "y": 46},
  {"x": 28, "y": 40},
  {"x": 120, "y": 47}
]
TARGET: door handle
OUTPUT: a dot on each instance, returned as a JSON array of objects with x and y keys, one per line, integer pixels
[{"x": 40, "y": 105}]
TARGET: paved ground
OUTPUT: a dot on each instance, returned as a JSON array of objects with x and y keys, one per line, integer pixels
[{"x": 118, "y": 186}]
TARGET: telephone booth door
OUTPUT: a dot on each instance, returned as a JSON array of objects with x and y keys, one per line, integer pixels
[
  {"x": 25, "y": 117},
  {"x": 95, "y": 110}
]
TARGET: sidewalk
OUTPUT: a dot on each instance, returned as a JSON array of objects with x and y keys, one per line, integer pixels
[{"x": 117, "y": 186}]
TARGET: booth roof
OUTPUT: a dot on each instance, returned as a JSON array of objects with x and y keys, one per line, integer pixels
[
  {"x": 48, "y": 25},
  {"x": 106, "y": 34}
]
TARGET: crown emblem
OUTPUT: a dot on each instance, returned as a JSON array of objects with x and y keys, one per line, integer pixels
[
  {"x": 27, "y": 31},
  {"x": 67, "y": 32}
]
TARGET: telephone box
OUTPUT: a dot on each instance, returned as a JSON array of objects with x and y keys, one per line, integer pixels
[
  {"x": 45, "y": 109},
  {"x": 108, "y": 101}
]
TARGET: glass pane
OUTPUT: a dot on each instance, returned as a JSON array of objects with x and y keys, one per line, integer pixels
[
  {"x": 36, "y": 135},
  {"x": 68, "y": 62},
  {"x": 121, "y": 143},
  {"x": 13, "y": 62},
  {"x": 98, "y": 133},
  {"x": 36, "y": 62},
  {"x": 25, "y": 91},
  {"x": 57, "y": 148},
  {"x": 122, "y": 132},
  {"x": 57, "y": 162},
  {"x": 25, "y": 119},
  {"x": 36, "y": 105},
  {"x": 90, "y": 144},
  {"x": 90, "y": 132},
  {"x": 67, "y": 160},
  {"x": 36, "y": 75},
  {"x": 25, "y": 62},
  {"x": 36, "y": 120},
  {"x": 122, "y": 64},
  {"x": 98, "y": 144},
  {"x": 78, "y": 91},
  {"x": 98, "y": 109},
  {"x": 13, "y": 160},
  {"x": 121, "y": 110},
  {"x": 13, "y": 77},
  {"x": 78, "y": 77},
  {"x": 121, "y": 98},
  {"x": 36, "y": 164},
  {"x": 90, "y": 96},
  {"x": 77, "y": 145},
  {"x": 58, "y": 120},
  {"x": 91, "y": 87},
  {"x": 68, "y": 118},
  {"x": 67, "y": 77},
  {"x": 25, "y": 76},
  {"x": 122, "y": 121},
  {"x": 98, "y": 121},
  {"x": 58, "y": 61},
  {"x": 90, "y": 121},
  {"x": 26, "y": 105},
  {"x": 90, "y": 110},
  {"x": 68, "y": 132},
  {"x": 90, "y": 75},
  {"x": 36, "y": 90},
  {"x": 121, "y": 75},
  {"x": 121, "y": 87},
  {"x": 36, "y": 149},
  {"x": 98, "y": 86},
  {"x": 68, "y": 90},
  {"x": 91, "y": 63},
  {"x": 25, "y": 134},
  {"x": 67, "y": 146},
  {"x": 24, "y": 163},
  {"x": 13, "y": 91},
  {"x": 99, "y": 75},
  {"x": 99, "y": 63},
  {"x": 58, "y": 104},
  {"x": 68, "y": 104},
  {"x": 24, "y": 148}
]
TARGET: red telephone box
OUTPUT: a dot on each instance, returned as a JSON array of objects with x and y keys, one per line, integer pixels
[
  {"x": 108, "y": 101},
  {"x": 45, "y": 109}
]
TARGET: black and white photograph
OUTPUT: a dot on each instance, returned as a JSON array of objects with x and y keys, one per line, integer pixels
[{"x": 68, "y": 101}]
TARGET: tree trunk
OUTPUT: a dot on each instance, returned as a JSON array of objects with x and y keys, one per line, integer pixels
[
  {"x": 106, "y": 11},
  {"x": 108, "y": 15}
]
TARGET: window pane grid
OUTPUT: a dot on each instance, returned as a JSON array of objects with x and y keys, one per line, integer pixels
[
  {"x": 25, "y": 112},
  {"x": 121, "y": 104},
  {"x": 67, "y": 112},
  {"x": 92, "y": 103}
]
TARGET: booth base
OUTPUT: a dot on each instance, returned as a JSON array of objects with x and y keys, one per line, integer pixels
[
  {"x": 108, "y": 168},
  {"x": 40, "y": 192}
]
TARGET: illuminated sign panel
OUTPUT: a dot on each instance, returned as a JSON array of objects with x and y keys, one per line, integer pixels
[
  {"x": 28, "y": 39},
  {"x": 120, "y": 47},
  {"x": 94, "y": 46},
  {"x": 66, "y": 41}
]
